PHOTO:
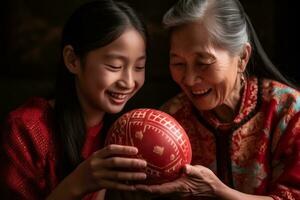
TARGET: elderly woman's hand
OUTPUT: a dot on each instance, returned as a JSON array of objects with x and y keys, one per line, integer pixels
[{"x": 197, "y": 181}]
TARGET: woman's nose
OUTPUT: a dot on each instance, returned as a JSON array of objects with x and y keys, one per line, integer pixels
[{"x": 190, "y": 77}]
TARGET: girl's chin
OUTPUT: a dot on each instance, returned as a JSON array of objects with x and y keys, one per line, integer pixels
[{"x": 115, "y": 110}]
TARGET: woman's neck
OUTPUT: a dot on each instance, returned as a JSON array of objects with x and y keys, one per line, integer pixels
[
  {"x": 230, "y": 108},
  {"x": 225, "y": 113}
]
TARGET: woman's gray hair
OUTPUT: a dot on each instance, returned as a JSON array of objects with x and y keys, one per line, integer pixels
[
  {"x": 223, "y": 19},
  {"x": 229, "y": 27}
]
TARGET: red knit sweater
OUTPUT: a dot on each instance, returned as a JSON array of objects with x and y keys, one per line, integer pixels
[{"x": 28, "y": 153}]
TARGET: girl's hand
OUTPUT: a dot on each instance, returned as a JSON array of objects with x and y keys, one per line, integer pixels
[{"x": 105, "y": 170}]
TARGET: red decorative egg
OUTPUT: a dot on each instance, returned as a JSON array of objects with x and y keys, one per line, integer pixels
[{"x": 160, "y": 139}]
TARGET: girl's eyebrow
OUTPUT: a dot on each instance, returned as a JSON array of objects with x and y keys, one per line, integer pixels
[
  {"x": 115, "y": 56},
  {"x": 121, "y": 56}
]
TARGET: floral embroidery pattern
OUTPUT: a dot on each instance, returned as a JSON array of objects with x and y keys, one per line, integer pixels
[{"x": 263, "y": 151}]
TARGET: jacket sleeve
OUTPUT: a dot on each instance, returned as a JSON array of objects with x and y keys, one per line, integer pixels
[
  {"x": 21, "y": 163},
  {"x": 286, "y": 163}
]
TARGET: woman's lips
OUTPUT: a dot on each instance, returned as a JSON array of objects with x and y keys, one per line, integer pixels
[{"x": 201, "y": 92}]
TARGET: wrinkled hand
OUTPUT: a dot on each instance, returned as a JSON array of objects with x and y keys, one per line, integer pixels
[
  {"x": 196, "y": 181},
  {"x": 127, "y": 195},
  {"x": 105, "y": 170}
]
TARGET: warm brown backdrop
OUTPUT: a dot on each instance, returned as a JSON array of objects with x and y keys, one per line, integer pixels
[{"x": 30, "y": 33}]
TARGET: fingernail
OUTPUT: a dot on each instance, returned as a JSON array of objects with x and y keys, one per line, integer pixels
[
  {"x": 143, "y": 176},
  {"x": 143, "y": 164},
  {"x": 134, "y": 150},
  {"x": 186, "y": 169}
]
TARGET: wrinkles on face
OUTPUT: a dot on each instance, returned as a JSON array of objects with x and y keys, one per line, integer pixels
[{"x": 206, "y": 73}]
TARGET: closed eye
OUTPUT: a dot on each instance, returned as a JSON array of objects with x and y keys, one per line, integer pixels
[
  {"x": 202, "y": 66},
  {"x": 140, "y": 68},
  {"x": 113, "y": 67},
  {"x": 205, "y": 62}
]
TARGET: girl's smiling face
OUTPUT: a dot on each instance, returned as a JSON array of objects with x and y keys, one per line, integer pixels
[{"x": 109, "y": 76}]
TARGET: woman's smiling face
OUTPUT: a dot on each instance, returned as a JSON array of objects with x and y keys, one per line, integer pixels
[{"x": 206, "y": 73}]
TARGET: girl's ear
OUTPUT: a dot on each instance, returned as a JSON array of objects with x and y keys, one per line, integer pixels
[
  {"x": 71, "y": 61},
  {"x": 245, "y": 56}
]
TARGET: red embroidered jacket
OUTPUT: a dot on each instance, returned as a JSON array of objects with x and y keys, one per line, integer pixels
[
  {"x": 259, "y": 152},
  {"x": 28, "y": 155}
]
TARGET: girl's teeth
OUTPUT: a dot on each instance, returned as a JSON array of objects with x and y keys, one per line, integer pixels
[{"x": 118, "y": 96}]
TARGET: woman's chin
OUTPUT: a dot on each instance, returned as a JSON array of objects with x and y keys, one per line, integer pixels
[{"x": 204, "y": 105}]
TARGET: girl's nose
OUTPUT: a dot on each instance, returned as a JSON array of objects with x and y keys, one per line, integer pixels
[{"x": 127, "y": 80}]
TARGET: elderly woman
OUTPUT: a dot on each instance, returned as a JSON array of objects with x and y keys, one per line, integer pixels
[{"x": 243, "y": 121}]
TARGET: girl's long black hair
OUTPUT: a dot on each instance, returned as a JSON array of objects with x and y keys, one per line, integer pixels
[{"x": 91, "y": 26}]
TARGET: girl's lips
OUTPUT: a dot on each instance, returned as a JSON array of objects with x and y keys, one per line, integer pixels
[
  {"x": 117, "y": 95},
  {"x": 118, "y": 98}
]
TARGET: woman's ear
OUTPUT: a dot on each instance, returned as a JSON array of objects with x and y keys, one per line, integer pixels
[
  {"x": 71, "y": 61},
  {"x": 244, "y": 57}
]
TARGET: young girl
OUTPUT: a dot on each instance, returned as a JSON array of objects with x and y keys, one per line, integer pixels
[{"x": 53, "y": 148}]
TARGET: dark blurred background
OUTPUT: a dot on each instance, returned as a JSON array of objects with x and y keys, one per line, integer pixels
[{"x": 30, "y": 34}]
